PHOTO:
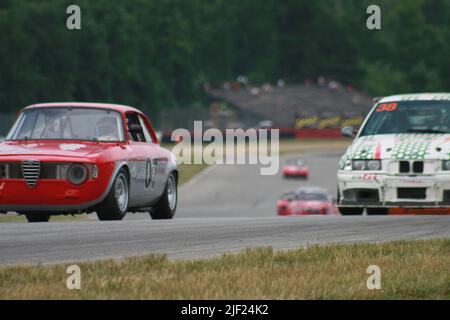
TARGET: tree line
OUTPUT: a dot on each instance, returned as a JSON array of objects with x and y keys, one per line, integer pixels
[{"x": 157, "y": 54}]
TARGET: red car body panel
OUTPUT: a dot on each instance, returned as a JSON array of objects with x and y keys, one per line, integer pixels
[
  {"x": 283, "y": 207},
  {"x": 295, "y": 171},
  {"x": 300, "y": 208},
  {"x": 59, "y": 195}
]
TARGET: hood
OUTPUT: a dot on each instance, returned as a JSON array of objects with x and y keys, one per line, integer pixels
[
  {"x": 310, "y": 204},
  {"x": 49, "y": 148},
  {"x": 400, "y": 146},
  {"x": 291, "y": 168}
]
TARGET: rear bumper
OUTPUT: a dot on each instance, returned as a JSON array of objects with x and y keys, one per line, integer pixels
[
  {"x": 387, "y": 191},
  {"x": 295, "y": 174}
]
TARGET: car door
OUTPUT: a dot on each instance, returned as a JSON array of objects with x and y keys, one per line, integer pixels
[{"x": 145, "y": 166}]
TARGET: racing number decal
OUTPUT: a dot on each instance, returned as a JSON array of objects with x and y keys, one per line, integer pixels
[
  {"x": 150, "y": 173},
  {"x": 387, "y": 107}
]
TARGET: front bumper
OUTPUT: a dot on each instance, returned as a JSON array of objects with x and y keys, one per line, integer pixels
[
  {"x": 383, "y": 190},
  {"x": 55, "y": 196}
]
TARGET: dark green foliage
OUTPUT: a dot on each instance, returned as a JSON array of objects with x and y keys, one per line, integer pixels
[{"x": 156, "y": 54}]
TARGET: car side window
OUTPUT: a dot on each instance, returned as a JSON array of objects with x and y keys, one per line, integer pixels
[
  {"x": 148, "y": 136},
  {"x": 135, "y": 130}
]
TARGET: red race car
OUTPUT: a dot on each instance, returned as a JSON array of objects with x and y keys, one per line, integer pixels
[
  {"x": 295, "y": 169},
  {"x": 70, "y": 158},
  {"x": 306, "y": 201}
]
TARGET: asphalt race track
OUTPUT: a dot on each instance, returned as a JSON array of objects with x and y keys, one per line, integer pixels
[{"x": 225, "y": 209}]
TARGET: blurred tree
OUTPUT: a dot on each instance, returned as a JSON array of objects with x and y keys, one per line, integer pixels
[{"x": 158, "y": 53}]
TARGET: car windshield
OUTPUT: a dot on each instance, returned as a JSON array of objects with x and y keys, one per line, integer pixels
[
  {"x": 312, "y": 196},
  {"x": 294, "y": 163},
  {"x": 409, "y": 117},
  {"x": 68, "y": 124}
]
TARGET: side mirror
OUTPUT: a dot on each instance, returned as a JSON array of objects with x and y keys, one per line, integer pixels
[{"x": 348, "y": 132}]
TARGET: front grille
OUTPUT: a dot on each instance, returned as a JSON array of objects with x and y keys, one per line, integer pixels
[
  {"x": 362, "y": 195},
  {"x": 48, "y": 171},
  {"x": 404, "y": 167},
  {"x": 31, "y": 169},
  {"x": 15, "y": 171},
  {"x": 412, "y": 193},
  {"x": 446, "y": 196},
  {"x": 418, "y": 167}
]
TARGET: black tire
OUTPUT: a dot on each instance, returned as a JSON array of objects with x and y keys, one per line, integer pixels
[
  {"x": 348, "y": 211},
  {"x": 37, "y": 217},
  {"x": 166, "y": 207},
  {"x": 377, "y": 211},
  {"x": 115, "y": 206}
]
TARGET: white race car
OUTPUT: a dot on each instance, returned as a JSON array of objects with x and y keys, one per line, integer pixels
[{"x": 399, "y": 161}]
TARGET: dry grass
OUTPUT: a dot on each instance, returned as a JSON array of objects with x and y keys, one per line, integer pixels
[
  {"x": 188, "y": 171},
  {"x": 410, "y": 270},
  {"x": 313, "y": 145}
]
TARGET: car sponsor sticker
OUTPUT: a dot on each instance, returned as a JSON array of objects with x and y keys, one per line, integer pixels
[{"x": 71, "y": 147}]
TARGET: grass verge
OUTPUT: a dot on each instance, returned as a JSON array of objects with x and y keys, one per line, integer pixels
[{"x": 409, "y": 270}]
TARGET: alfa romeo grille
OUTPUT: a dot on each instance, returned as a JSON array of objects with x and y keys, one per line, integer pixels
[{"x": 31, "y": 170}]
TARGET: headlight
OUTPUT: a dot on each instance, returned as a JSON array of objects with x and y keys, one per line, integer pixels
[
  {"x": 359, "y": 165},
  {"x": 366, "y": 165},
  {"x": 77, "y": 174},
  {"x": 374, "y": 165},
  {"x": 446, "y": 165}
]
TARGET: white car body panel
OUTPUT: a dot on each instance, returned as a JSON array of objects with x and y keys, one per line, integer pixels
[{"x": 429, "y": 150}]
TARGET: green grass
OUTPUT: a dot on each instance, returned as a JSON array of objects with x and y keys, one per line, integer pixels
[{"x": 409, "y": 270}]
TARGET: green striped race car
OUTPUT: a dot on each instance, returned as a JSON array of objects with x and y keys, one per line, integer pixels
[{"x": 399, "y": 161}]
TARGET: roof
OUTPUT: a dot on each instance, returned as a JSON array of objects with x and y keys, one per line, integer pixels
[
  {"x": 117, "y": 107},
  {"x": 416, "y": 97}
]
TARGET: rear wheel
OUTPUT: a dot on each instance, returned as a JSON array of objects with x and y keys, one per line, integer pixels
[
  {"x": 377, "y": 211},
  {"x": 167, "y": 205},
  {"x": 348, "y": 211},
  {"x": 37, "y": 217},
  {"x": 115, "y": 205}
]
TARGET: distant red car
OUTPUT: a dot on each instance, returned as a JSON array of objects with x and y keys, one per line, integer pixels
[
  {"x": 306, "y": 201},
  {"x": 295, "y": 169},
  {"x": 70, "y": 158}
]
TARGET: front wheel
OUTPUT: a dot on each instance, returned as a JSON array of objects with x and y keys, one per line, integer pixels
[
  {"x": 166, "y": 207},
  {"x": 37, "y": 217},
  {"x": 115, "y": 205},
  {"x": 349, "y": 211}
]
